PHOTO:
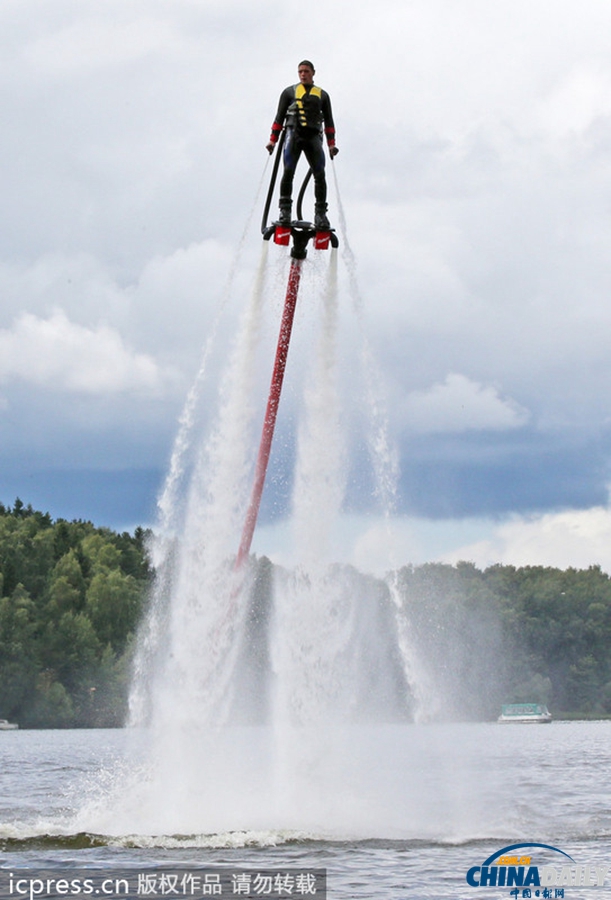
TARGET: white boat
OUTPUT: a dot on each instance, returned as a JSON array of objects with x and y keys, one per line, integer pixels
[
  {"x": 5, "y": 725},
  {"x": 536, "y": 713}
]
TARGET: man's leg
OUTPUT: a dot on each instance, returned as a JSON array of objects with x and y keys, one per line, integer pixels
[
  {"x": 292, "y": 151},
  {"x": 315, "y": 155}
]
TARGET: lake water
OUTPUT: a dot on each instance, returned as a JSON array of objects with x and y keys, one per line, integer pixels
[{"x": 407, "y": 814}]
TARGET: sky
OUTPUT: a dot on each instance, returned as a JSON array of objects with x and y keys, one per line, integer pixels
[{"x": 475, "y": 177}]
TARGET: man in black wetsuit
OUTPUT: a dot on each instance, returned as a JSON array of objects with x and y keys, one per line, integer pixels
[{"x": 306, "y": 108}]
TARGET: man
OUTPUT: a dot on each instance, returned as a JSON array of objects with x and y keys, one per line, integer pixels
[{"x": 306, "y": 108}]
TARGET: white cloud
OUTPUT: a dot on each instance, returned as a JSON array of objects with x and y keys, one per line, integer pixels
[
  {"x": 459, "y": 404},
  {"x": 97, "y": 44},
  {"x": 571, "y": 538},
  {"x": 577, "y": 538},
  {"x": 62, "y": 355},
  {"x": 582, "y": 96}
]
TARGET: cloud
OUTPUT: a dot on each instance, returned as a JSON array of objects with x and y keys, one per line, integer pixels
[
  {"x": 61, "y": 355},
  {"x": 133, "y": 146},
  {"x": 577, "y": 538},
  {"x": 582, "y": 97},
  {"x": 97, "y": 44},
  {"x": 571, "y": 538},
  {"x": 459, "y": 404}
]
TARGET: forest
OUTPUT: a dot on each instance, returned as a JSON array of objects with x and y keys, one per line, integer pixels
[
  {"x": 510, "y": 635},
  {"x": 72, "y": 595}
]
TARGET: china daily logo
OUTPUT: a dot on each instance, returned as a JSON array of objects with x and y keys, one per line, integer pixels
[{"x": 535, "y": 870}]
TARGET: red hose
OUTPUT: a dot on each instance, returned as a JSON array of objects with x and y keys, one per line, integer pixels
[{"x": 271, "y": 412}]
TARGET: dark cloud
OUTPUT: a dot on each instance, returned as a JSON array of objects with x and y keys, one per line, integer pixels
[{"x": 464, "y": 479}]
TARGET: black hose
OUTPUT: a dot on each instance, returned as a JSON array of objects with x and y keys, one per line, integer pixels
[
  {"x": 302, "y": 191},
  {"x": 272, "y": 184}
]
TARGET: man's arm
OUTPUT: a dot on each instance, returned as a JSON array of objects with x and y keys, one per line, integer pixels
[
  {"x": 286, "y": 98},
  {"x": 327, "y": 116}
]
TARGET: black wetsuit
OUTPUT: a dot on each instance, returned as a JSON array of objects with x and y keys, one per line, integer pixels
[{"x": 306, "y": 108}]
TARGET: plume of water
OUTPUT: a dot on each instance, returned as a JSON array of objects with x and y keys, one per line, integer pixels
[
  {"x": 320, "y": 472},
  {"x": 194, "y": 582},
  {"x": 168, "y": 503},
  {"x": 309, "y": 603},
  {"x": 382, "y": 453},
  {"x": 384, "y": 460},
  {"x": 425, "y": 697},
  {"x": 333, "y": 643},
  {"x": 186, "y": 679}
]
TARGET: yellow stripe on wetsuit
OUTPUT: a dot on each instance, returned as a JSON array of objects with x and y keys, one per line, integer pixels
[{"x": 300, "y": 92}]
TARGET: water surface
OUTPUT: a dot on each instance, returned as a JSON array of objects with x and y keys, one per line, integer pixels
[{"x": 407, "y": 812}]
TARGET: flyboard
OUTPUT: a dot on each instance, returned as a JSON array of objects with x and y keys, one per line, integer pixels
[{"x": 298, "y": 234}]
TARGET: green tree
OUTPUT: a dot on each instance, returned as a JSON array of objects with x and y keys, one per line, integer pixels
[
  {"x": 17, "y": 662},
  {"x": 67, "y": 585},
  {"x": 50, "y": 703},
  {"x": 113, "y": 604}
]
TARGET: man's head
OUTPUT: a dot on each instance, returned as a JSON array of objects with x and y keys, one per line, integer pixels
[{"x": 305, "y": 70}]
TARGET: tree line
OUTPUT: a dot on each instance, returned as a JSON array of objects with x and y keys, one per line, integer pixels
[
  {"x": 510, "y": 635},
  {"x": 72, "y": 595}
]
